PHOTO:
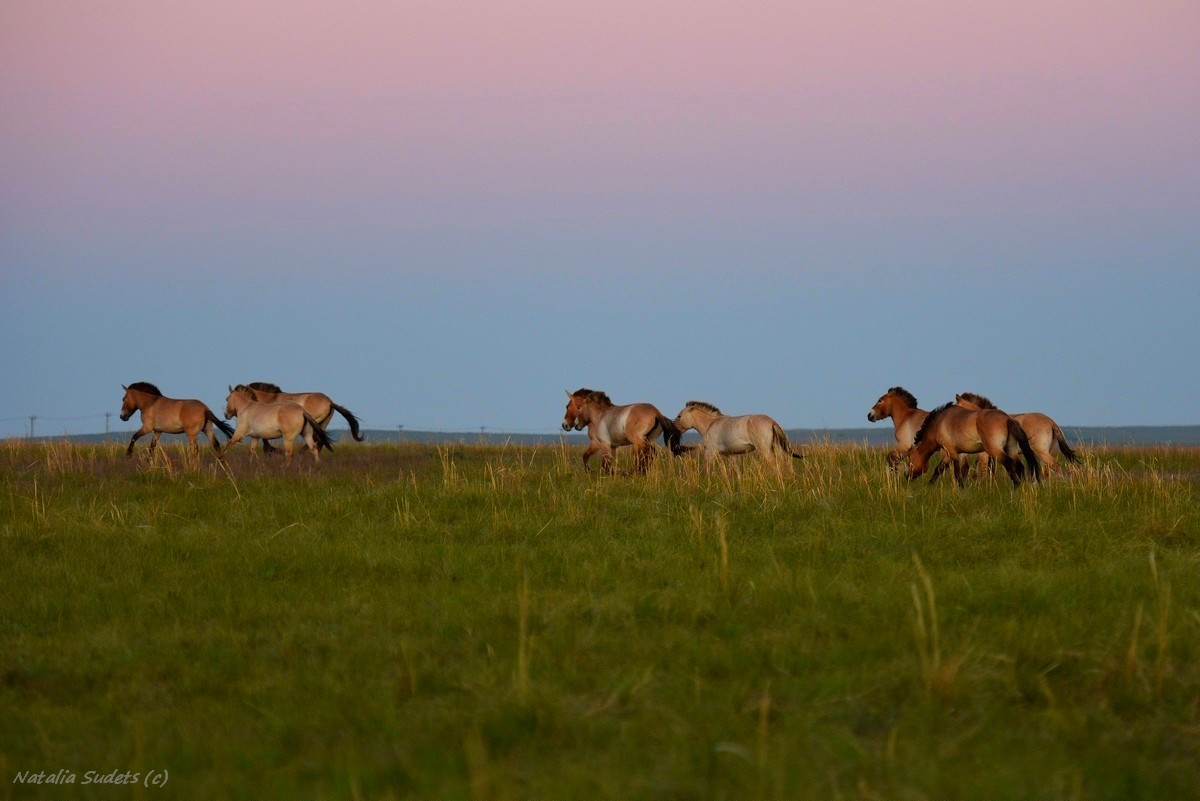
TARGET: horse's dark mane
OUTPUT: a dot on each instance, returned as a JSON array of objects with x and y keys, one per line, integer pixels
[
  {"x": 978, "y": 400},
  {"x": 929, "y": 418},
  {"x": 594, "y": 395},
  {"x": 147, "y": 387},
  {"x": 247, "y": 391},
  {"x": 904, "y": 395},
  {"x": 264, "y": 386},
  {"x": 708, "y": 407}
]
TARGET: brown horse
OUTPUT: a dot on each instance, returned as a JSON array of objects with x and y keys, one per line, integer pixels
[
  {"x": 1044, "y": 434},
  {"x": 900, "y": 405},
  {"x": 269, "y": 420},
  {"x": 611, "y": 427},
  {"x": 169, "y": 416},
  {"x": 727, "y": 436},
  {"x": 317, "y": 404},
  {"x": 958, "y": 431}
]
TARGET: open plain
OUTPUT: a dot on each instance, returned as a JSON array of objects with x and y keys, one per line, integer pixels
[{"x": 485, "y": 622}]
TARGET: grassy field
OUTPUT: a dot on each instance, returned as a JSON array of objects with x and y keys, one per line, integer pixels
[{"x": 478, "y": 622}]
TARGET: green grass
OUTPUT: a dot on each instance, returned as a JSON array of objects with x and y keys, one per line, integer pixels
[{"x": 490, "y": 623}]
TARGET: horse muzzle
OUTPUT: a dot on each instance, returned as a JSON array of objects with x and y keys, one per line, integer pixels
[
  {"x": 870, "y": 417},
  {"x": 125, "y": 416}
]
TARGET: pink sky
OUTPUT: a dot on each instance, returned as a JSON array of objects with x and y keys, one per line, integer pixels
[{"x": 149, "y": 113}]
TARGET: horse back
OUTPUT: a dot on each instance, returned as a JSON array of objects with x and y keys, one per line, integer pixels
[{"x": 175, "y": 415}]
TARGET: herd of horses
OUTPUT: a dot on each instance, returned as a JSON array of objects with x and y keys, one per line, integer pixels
[
  {"x": 263, "y": 411},
  {"x": 971, "y": 424}
]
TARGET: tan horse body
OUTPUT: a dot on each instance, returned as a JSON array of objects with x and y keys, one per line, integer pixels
[
  {"x": 609, "y": 427},
  {"x": 723, "y": 435},
  {"x": 958, "y": 431},
  {"x": 900, "y": 405},
  {"x": 269, "y": 420},
  {"x": 317, "y": 404},
  {"x": 1045, "y": 437},
  {"x": 163, "y": 415}
]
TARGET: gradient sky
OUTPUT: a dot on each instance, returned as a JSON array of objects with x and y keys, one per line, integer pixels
[{"x": 444, "y": 214}]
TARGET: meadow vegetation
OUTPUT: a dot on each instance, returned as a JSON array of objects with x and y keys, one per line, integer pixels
[{"x": 476, "y": 622}]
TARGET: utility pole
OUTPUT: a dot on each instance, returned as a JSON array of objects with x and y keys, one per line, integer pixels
[
  {"x": 32, "y": 417},
  {"x": 107, "y": 416},
  {"x": 399, "y": 431}
]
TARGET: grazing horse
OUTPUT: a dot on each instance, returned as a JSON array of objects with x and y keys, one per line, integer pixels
[
  {"x": 1044, "y": 434},
  {"x": 169, "y": 416},
  {"x": 269, "y": 420},
  {"x": 611, "y": 427},
  {"x": 317, "y": 404},
  {"x": 728, "y": 436},
  {"x": 958, "y": 431},
  {"x": 900, "y": 405}
]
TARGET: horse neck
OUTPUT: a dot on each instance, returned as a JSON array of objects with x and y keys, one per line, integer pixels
[
  {"x": 901, "y": 412},
  {"x": 144, "y": 400},
  {"x": 925, "y": 448},
  {"x": 702, "y": 420}
]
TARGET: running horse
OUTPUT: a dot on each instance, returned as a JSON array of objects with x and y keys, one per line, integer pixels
[
  {"x": 1044, "y": 434},
  {"x": 959, "y": 431},
  {"x": 317, "y": 404},
  {"x": 163, "y": 415},
  {"x": 900, "y": 405},
  {"x": 723, "y": 435},
  {"x": 610, "y": 427},
  {"x": 269, "y": 420}
]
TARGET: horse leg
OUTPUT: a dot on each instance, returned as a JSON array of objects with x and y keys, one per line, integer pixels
[
  {"x": 606, "y": 459},
  {"x": 312, "y": 444},
  {"x": 287, "y": 450},
  {"x": 154, "y": 441},
  {"x": 136, "y": 436},
  {"x": 212, "y": 439},
  {"x": 643, "y": 455},
  {"x": 1010, "y": 465},
  {"x": 588, "y": 454}
]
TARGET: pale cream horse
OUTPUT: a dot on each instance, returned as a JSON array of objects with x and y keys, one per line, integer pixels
[
  {"x": 1045, "y": 437},
  {"x": 610, "y": 427},
  {"x": 269, "y": 420},
  {"x": 318, "y": 404},
  {"x": 723, "y": 435}
]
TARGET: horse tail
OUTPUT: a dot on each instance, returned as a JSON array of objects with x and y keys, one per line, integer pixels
[
  {"x": 671, "y": 434},
  {"x": 1064, "y": 446},
  {"x": 322, "y": 438},
  {"x": 780, "y": 438},
  {"x": 226, "y": 429},
  {"x": 350, "y": 418},
  {"x": 1016, "y": 432}
]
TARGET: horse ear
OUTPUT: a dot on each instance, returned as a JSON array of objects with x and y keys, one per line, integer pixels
[
  {"x": 569, "y": 395},
  {"x": 230, "y": 388},
  {"x": 124, "y": 387}
]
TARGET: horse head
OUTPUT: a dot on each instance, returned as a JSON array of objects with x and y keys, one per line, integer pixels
[
  {"x": 572, "y": 417},
  {"x": 234, "y": 401},
  {"x": 883, "y": 407},
  {"x": 128, "y": 404}
]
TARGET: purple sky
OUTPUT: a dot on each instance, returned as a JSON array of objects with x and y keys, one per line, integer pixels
[{"x": 444, "y": 214}]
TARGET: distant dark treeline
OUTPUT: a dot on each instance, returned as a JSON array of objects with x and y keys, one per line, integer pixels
[{"x": 879, "y": 435}]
